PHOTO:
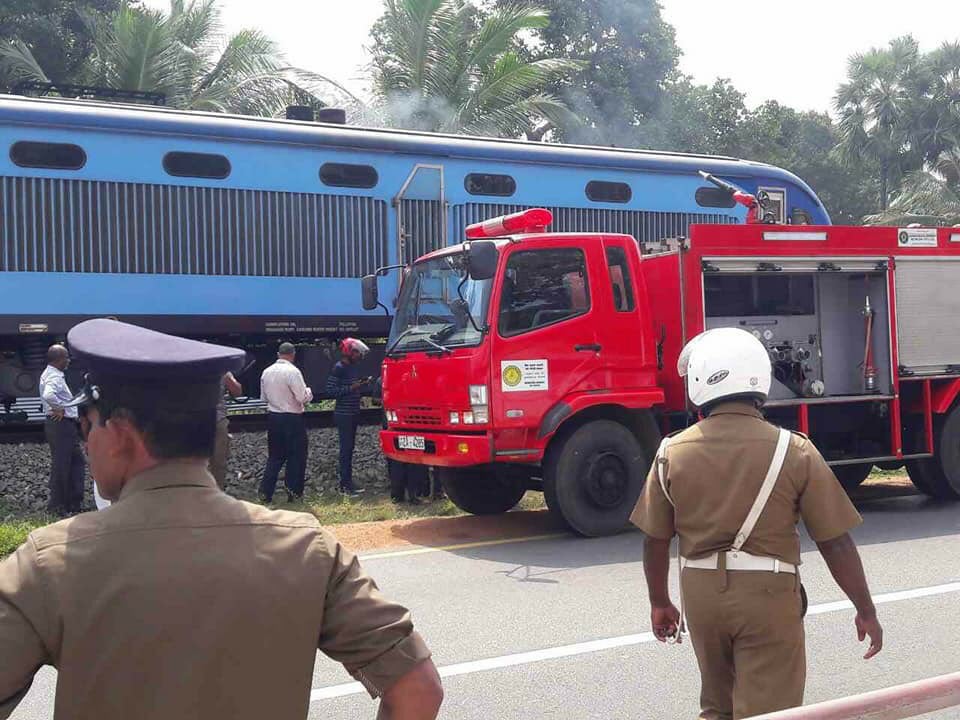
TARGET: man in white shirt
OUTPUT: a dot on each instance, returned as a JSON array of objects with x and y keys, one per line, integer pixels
[
  {"x": 62, "y": 430},
  {"x": 286, "y": 394}
]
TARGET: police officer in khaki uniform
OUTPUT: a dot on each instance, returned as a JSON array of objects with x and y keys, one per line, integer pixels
[
  {"x": 733, "y": 488},
  {"x": 179, "y": 601}
]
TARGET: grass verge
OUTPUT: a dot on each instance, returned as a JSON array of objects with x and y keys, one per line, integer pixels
[
  {"x": 329, "y": 510},
  {"x": 14, "y": 530}
]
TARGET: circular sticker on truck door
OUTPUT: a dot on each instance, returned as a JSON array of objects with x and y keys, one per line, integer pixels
[{"x": 512, "y": 376}]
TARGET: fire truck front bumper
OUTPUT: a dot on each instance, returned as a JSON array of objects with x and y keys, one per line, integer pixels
[{"x": 439, "y": 449}]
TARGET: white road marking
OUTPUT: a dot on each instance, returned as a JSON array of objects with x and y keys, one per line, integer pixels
[{"x": 465, "y": 668}]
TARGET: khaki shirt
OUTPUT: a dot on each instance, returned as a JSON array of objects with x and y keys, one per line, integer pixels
[
  {"x": 714, "y": 471},
  {"x": 182, "y": 602}
]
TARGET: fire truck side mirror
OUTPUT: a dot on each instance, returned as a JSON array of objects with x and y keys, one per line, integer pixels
[
  {"x": 368, "y": 289},
  {"x": 482, "y": 258}
]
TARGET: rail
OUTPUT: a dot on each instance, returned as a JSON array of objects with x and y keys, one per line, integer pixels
[{"x": 893, "y": 703}]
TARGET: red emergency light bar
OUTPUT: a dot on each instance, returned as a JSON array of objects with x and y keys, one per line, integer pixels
[{"x": 528, "y": 221}]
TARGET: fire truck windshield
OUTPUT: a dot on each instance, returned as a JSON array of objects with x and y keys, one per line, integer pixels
[{"x": 440, "y": 307}]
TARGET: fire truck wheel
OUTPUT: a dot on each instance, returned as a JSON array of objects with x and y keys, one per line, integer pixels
[
  {"x": 919, "y": 473},
  {"x": 851, "y": 476},
  {"x": 594, "y": 476},
  {"x": 939, "y": 476},
  {"x": 481, "y": 490}
]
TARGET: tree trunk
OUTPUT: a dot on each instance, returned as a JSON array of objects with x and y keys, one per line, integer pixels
[{"x": 884, "y": 171}]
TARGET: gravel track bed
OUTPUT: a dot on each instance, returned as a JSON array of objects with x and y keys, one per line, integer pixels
[{"x": 25, "y": 468}]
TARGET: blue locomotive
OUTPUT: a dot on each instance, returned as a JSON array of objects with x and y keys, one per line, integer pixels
[{"x": 248, "y": 230}]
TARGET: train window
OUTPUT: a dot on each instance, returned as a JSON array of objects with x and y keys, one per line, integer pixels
[
  {"x": 352, "y": 176},
  {"x": 200, "y": 165},
  {"x": 610, "y": 192},
  {"x": 714, "y": 197},
  {"x": 543, "y": 287},
  {"x": 620, "y": 279},
  {"x": 55, "y": 156},
  {"x": 487, "y": 184}
]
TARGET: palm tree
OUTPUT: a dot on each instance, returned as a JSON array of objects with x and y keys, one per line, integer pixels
[
  {"x": 877, "y": 112},
  {"x": 443, "y": 66},
  {"x": 926, "y": 197},
  {"x": 180, "y": 53},
  {"x": 931, "y": 195}
]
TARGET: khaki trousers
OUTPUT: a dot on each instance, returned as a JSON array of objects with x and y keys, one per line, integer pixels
[
  {"x": 747, "y": 633},
  {"x": 221, "y": 453}
]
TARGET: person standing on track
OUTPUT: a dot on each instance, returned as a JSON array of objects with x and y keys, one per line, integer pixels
[
  {"x": 179, "y": 601},
  {"x": 221, "y": 448},
  {"x": 287, "y": 395},
  {"x": 346, "y": 386},
  {"x": 733, "y": 487},
  {"x": 62, "y": 430}
]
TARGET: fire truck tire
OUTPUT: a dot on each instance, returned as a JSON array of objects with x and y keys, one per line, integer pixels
[
  {"x": 919, "y": 473},
  {"x": 593, "y": 477},
  {"x": 939, "y": 476},
  {"x": 481, "y": 490},
  {"x": 852, "y": 476}
]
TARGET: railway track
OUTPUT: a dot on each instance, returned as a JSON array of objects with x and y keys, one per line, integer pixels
[{"x": 253, "y": 418}]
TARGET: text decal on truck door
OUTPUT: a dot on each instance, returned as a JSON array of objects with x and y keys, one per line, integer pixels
[{"x": 517, "y": 375}]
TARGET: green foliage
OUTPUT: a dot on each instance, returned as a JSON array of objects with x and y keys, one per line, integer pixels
[
  {"x": 180, "y": 53},
  {"x": 627, "y": 52},
  {"x": 446, "y": 66},
  {"x": 14, "y": 529},
  {"x": 58, "y": 33}
]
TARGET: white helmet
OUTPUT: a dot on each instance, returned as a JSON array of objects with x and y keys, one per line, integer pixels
[{"x": 724, "y": 362}]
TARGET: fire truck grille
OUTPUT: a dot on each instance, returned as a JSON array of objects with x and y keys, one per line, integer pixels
[{"x": 420, "y": 416}]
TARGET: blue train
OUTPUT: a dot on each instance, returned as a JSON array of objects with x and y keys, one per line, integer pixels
[{"x": 246, "y": 230}]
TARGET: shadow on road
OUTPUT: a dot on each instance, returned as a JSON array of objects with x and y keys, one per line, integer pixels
[{"x": 892, "y": 512}]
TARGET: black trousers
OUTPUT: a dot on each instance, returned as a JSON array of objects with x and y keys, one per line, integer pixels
[
  {"x": 286, "y": 445},
  {"x": 347, "y": 433},
  {"x": 67, "y": 466}
]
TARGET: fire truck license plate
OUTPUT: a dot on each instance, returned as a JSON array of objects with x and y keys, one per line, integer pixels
[{"x": 411, "y": 442}]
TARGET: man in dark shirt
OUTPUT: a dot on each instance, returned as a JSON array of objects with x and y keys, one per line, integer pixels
[{"x": 346, "y": 386}]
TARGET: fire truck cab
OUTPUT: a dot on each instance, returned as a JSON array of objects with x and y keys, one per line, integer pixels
[{"x": 522, "y": 359}]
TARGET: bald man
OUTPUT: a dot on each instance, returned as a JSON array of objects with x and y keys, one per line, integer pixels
[{"x": 62, "y": 430}]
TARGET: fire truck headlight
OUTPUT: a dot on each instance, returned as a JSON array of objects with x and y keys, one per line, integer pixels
[
  {"x": 454, "y": 418},
  {"x": 468, "y": 418},
  {"x": 480, "y": 414},
  {"x": 478, "y": 394}
]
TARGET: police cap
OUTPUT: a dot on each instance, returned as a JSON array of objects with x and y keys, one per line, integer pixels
[{"x": 130, "y": 366}]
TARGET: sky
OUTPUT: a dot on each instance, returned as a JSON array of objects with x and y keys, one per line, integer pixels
[{"x": 793, "y": 52}]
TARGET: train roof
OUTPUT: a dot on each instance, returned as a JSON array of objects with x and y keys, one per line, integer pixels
[{"x": 105, "y": 116}]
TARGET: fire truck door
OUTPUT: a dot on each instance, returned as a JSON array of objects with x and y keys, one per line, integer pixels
[
  {"x": 622, "y": 338},
  {"x": 545, "y": 344}
]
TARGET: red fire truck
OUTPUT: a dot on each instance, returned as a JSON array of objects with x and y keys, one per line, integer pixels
[{"x": 523, "y": 359}]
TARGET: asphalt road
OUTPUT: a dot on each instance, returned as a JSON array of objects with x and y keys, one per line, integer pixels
[{"x": 558, "y": 628}]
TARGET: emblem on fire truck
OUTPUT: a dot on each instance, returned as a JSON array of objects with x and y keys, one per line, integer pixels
[{"x": 512, "y": 376}]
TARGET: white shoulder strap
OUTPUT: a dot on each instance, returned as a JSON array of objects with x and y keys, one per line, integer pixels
[
  {"x": 661, "y": 461},
  {"x": 776, "y": 465}
]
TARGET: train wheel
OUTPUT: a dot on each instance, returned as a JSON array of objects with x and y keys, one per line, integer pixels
[
  {"x": 481, "y": 490},
  {"x": 593, "y": 477}
]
